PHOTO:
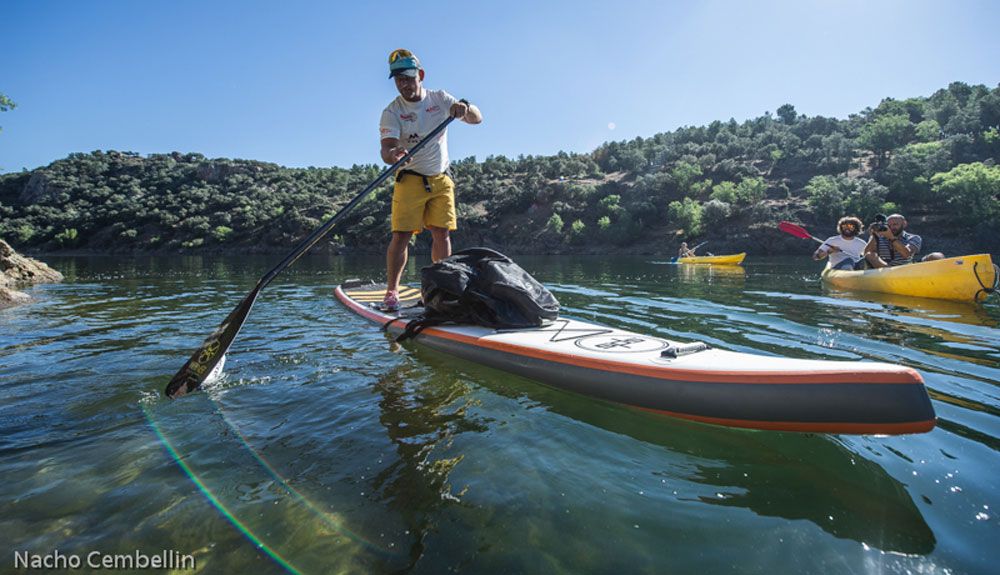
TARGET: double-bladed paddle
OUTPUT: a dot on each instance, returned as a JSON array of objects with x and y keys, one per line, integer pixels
[
  {"x": 797, "y": 231},
  {"x": 698, "y": 246},
  {"x": 800, "y": 232},
  {"x": 208, "y": 356}
]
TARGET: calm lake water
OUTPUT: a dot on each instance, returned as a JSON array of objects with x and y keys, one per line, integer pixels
[{"x": 325, "y": 448}]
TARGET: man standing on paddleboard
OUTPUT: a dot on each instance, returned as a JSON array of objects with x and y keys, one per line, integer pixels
[{"x": 424, "y": 194}]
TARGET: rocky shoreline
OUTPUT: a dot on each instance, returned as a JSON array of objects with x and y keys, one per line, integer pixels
[{"x": 16, "y": 271}]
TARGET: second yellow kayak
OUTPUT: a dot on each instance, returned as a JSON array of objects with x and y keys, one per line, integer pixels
[
  {"x": 965, "y": 278},
  {"x": 727, "y": 260}
]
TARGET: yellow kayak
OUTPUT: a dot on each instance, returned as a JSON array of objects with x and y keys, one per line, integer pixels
[
  {"x": 728, "y": 260},
  {"x": 965, "y": 278}
]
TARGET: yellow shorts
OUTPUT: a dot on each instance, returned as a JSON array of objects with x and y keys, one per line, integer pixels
[{"x": 414, "y": 208}]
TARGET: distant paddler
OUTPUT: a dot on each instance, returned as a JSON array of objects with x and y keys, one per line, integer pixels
[{"x": 685, "y": 252}]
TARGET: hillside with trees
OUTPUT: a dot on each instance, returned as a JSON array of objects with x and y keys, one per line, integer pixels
[{"x": 932, "y": 158}]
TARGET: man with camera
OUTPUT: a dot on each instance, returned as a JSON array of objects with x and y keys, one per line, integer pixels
[{"x": 891, "y": 245}]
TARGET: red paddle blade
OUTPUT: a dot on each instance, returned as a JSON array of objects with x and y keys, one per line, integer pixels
[{"x": 795, "y": 230}]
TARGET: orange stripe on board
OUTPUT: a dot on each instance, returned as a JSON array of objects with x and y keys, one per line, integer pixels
[{"x": 903, "y": 375}]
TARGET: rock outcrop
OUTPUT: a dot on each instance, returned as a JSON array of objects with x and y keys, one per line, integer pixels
[{"x": 16, "y": 270}]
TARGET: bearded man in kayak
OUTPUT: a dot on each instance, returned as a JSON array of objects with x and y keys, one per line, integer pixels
[
  {"x": 890, "y": 244},
  {"x": 424, "y": 194},
  {"x": 845, "y": 250}
]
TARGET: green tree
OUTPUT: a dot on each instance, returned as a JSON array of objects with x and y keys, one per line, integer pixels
[
  {"x": 686, "y": 215},
  {"x": 222, "y": 233},
  {"x": 886, "y": 134},
  {"x": 6, "y": 104},
  {"x": 700, "y": 188},
  {"x": 751, "y": 190},
  {"x": 555, "y": 224},
  {"x": 908, "y": 174},
  {"x": 787, "y": 114},
  {"x": 684, "y": 175},
  {"x": 971, "y": 189},
  {"x": 928, "y": 131},
  {"x": 604, "y": 223},
  {"x": 825, "y": 198},
  {"x": 863, "y": 197},
  {"x": 67, "y": 238},
  {"x": 832, "y": 197},
  {"x": 576, "y": 231},
  {"x": 715, "y": 212},
  {"x": 724, "y": 192}
]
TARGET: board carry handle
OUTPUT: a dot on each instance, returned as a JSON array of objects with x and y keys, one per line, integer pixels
[{"x": 678, "y": 349}]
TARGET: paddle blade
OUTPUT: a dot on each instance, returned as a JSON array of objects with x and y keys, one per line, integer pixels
[
  {"x": 207, "y": 357},
  {"x": 795, "y": 230}
]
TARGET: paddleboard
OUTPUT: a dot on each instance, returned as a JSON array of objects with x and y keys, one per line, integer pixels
[{"x": 688, "y": 380}]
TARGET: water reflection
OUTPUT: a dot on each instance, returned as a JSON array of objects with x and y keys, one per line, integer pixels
[
  {"x": 925, "y": 308},
  {"x": 421, "y": 412},
  {"x": 788, "y": 475},
  {"x": 732, "y": 276}
]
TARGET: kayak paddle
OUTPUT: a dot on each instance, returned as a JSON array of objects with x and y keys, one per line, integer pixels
[
  {"x": 800, "y": 232},
  {"x": 212, "y": 350},
  {"x": 693, "y": 249},
  {"x": 698, "y": 246},
  {"x": 797, "y": 231}
]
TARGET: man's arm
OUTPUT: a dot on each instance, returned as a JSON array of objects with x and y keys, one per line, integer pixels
[
  {"x": 898, "y": 245},
  {"x": 391, "y": 150},
  {"x": 872, "y": 246},
  {"x": 824, "y": 250},
  {"x": 912, "y": 245},
  {"x": 466, "y": 112},
  {"x": 902, "y": 248}
]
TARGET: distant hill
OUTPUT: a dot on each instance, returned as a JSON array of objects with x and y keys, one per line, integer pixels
[{"x": 933, "y": 158}]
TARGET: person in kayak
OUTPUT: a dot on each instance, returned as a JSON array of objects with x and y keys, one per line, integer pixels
[
  {"x": 890, "y": 244},
  {"x": 846, "y": 251},
  {"x": 684, "y": 252},
  {"x": 424, "y": 194}
]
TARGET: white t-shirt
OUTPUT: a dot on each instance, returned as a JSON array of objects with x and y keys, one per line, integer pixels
[
  {"x": 409, "y": 122},
  {"x": 853, "y": 248}
]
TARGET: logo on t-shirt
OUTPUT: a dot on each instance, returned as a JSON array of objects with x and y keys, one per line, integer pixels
[
  {"x": 408, "y": 117},
  {"x": 413, "y": 138},
  {"x": 433, "y": 109}
]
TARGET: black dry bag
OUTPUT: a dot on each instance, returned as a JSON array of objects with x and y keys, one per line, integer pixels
[{"x": 482, "y": 287}]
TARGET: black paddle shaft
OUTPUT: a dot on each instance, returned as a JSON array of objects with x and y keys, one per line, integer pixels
[{"x": 206, "y": 357}]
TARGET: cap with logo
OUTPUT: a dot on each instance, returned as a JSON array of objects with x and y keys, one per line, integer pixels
[{"x": 403, "y": 63}]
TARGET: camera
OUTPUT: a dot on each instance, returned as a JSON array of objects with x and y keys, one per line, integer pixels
[{"x": 879, "y": 224}]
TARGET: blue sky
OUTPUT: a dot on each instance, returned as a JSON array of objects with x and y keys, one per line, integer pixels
[{"x": 303, "y": 83}]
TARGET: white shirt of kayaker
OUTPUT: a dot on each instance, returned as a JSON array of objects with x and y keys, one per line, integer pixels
[
  {"x": 409, "y": 122},
  {"x": 852, "y": 249}
]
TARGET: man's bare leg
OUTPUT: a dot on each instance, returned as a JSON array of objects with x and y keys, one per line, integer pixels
[
  {"x": 395, "y": 259},
  {"x": 440, "y": 243}
]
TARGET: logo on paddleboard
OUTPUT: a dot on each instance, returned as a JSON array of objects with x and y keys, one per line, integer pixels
[{"x": 623, "y": 343}]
